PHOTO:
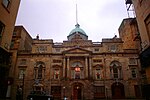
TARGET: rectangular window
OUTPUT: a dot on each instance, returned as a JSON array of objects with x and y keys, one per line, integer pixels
[
  {"x": 21, "y": 73},
  {"x": 99, "y": 92},
  {"x": 56, "y": 74},
  {"x": 2, "y": 26},
  {"x": 6, "y": 3},
  {"x": 113, "y": 48},
  {"x": 96, "y": 49},
  {"x": 99, "y": 89},
  {"x": 56, "y": 61},
  {"x": 147, "y": 23},
  {"x": 23, "y": 62},
  {"x": 98, "y": 74},
  {"x": 132, "y": 61},
  {"x": 14, "y": 33},
  {"x": 42, "y": 49},
  {"x": 115, "y": 72},
  {"x": 133, "y": 72},
  {"x": 97, "y": 60},
  {"x": 57, "y": 49},
  {"x": 12, "y": 44}
]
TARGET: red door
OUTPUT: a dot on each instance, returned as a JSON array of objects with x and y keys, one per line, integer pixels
[{"x": 77, "y": 92}]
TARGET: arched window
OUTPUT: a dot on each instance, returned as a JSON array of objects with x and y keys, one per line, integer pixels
[
  {"x": 39, "y": 70},
  {"x": 115, "y": 70},
  {"x": 77, "y": 70},
  {"x": 56, "y": 73},
  {"x": 98, "y": 72}
]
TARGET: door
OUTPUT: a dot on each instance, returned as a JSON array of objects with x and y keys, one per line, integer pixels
[
  {"x": 77, "y": 92},
  {"x": 118, "y": 91},
  {"x": 137, "y": 91}
]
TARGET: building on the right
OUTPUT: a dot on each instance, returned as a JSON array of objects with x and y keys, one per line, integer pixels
[{"x": 142, "y": 11}]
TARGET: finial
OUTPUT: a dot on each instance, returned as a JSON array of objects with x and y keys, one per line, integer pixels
[
  {"x": 77, "y": 25},
  {"x": 37, "y": 37}
]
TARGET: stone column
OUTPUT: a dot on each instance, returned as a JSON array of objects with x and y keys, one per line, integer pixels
[
  {"x": 90, "y": 67},
  {"x": 86, "y": 67},
  {"x": 68, "y": 67},
  {"x": 64, "y": 67}
]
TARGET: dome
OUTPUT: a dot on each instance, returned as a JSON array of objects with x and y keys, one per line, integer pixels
[{"x": 77, "y": 29}]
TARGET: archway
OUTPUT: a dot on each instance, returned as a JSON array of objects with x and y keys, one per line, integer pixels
[{"x": 118, "y": 90}]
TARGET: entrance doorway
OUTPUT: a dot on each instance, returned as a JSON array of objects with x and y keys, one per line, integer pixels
[
  {"x": 118, "y": 91},
  {"x": 77, "y": 92}
]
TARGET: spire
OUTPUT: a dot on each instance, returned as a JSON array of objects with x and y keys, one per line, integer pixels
[
  {"x": 77, "y": 25},
  {"x": 76, "y": 13}
]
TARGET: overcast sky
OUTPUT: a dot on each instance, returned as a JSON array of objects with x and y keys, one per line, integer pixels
[{"x": 54, "y": 19}]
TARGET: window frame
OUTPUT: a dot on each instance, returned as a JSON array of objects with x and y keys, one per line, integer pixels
[
  {"x": 23, "y": 62},
  {"x": 96, "y": 49},
  {"x": 37, "y": 68},
  {"x": 22, "y": 72},
  {"x": 132, "y": 61},
  {"x": 2, "y": 27},
  {"x": 113, "y": 48},
  {"x": 6, "y": 3},
  {"x": 98, "y": 73},
  {"x": 40, "y": 72},
  {"x": 56, "y": 74},
  {"x": 133, "y": 72},
  {"x": 117, "y": 66},
  {"x": 42, "y": 49},
  {"x": 147, "y": 23}
]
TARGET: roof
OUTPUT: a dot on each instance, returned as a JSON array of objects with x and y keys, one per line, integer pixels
[{"x": 77, "y": 29}]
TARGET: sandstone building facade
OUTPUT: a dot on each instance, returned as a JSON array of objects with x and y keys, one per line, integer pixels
[
  {"x": 77, "y": 68},
  {"x": 8, "y": 13},
  {"x": 142, "y": 10}
]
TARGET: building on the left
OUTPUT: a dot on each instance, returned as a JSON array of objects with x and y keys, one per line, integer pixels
[{"x": 8, "y": 14}]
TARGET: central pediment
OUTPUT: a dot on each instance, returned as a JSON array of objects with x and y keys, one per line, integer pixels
[{"x": 77, "y": 50}]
